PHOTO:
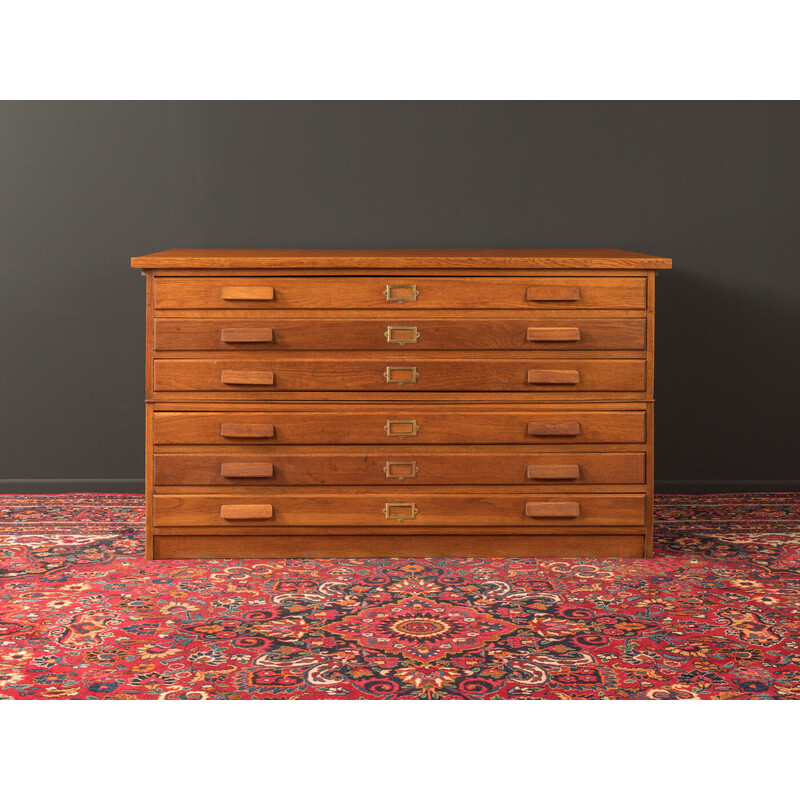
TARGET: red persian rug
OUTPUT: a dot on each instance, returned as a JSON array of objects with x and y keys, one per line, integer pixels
[{"x": 716, "y": 614}]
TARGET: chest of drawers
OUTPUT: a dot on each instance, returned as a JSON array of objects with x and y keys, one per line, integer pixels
[{"x": 360, "y": 403}]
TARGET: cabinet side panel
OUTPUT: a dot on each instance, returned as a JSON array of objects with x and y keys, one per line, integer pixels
[
  {"x": 649, "y": 469},
  {"x": 148, "y": 454}
]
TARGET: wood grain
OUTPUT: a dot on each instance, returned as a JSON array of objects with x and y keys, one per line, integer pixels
[
  {"x": 559, "y": 376},
  {"x": 354, "y": 333},
  {"x": 598, "y": 258},
  {"x": 245, "y": 512},
  {"x": 558, "y": 471},
  {"x": 468, "y": 510},
  {"x": 243, "y": 430},
  {"x": 553, "y": 292},
  {"x": 249, "y": 292},
  {"x": 369, "y": 468},
  {"x": 368, "y": 293},
  {"x": 651, "y": 310},
  {"x": 551, "y": 510},
  {"x": 395, "y": 416},
  {"x": 241, "y": 377},
  {"x": 553, "y": 334},
  {"x": 245, "y": 334},
  {"x": 349, "y": 424},
  {"x": 225, "y": 469},
  {"x": 310, "y": 373},
  {"x": 610, "y": 545},
  {"x": 148, "y": 435},
  {"x": 560, "y": 428}
]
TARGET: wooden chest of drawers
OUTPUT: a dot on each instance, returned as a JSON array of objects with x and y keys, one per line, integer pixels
[{"x": 357, "y": 403}]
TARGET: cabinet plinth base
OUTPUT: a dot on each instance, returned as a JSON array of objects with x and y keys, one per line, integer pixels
[{"x": 492, "y": 545}]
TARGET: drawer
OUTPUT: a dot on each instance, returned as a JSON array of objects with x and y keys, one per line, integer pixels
[
  {"x": 408, "y": 509},
  {"x": 421, "y": 373},
  {"x": 398, "y": 467},
  {"x": 397, "y": 335},
  {"x": 399, "y": 295},
  {"x": 403, "y": 425}
]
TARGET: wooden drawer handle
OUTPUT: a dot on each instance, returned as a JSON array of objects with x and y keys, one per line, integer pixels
[
  {"x": 553, "y": 376},
  {"x": 231, "y": 430},
  {"x": 247, "y": 293},
  {"x": 553, "y": 293},
  {"x": 247, "y": 335},
  {"x": 239, "y": 376},
  {"x": 554, "y": 472},
  {"x": 552, "y": 510},
  {"x": 570, "y": 428},
  {"x": 554, "y": 334},
  {"x": 246, "y": 512},
  {"x": 246, "y": 470}
]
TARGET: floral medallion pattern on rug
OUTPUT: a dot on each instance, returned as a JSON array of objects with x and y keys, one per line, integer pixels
[{"x": 716, "y": 614}]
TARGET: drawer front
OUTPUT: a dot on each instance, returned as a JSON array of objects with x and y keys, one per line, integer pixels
[
  {"x": 398, "y": 335},
  {"x": 403, "y": 425},
  {"x": 399, "y": 294},
  {"x": 397, "y": 467},
  {"x": 408, "y": 510},
  {"x": 425, "y": 373}
]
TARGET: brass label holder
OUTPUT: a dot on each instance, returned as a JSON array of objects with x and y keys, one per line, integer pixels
[
  {"x": 411, "y": 469},
  {"x": 399, "y": 512},
  {"x": 410, "y": 427},
  {"x": 405, "y": 338},
  {"x": 411, "y": 372},
  {"x": 391, "y": 288}
]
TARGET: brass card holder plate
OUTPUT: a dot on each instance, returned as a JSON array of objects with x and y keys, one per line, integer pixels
[
  {"x": 401, "y": 375},
  {"x": 396, "y": 334},
  {"x": 401, "y": 293},
  {"x": 401, "y": 428},
  {"x": 399, "y": 512},
  {"x": 400, "y": 470}
]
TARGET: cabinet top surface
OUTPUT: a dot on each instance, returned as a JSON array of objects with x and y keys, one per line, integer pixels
[{"x": 506, "y": 259}]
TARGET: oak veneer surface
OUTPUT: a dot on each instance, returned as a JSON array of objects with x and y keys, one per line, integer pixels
[
  {"x": 521, "y": 425},
  {"x": 393, "y": 466},
  {"x": 409, "y": 508},
  {"x": 403, "y": 295},
  {"x": 348, "y": 545},
  {"x": 399, "y": 335},
  {"x": 390, "y": 373},
  {"x": 524, "y": 258},
  {"x": 404, "y": 425}
]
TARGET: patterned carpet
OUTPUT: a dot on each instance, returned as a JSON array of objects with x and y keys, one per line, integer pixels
[{"x": 716, "y": 614}]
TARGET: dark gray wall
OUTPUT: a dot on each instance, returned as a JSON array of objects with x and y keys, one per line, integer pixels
[{"x": 85, "y": 186}]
